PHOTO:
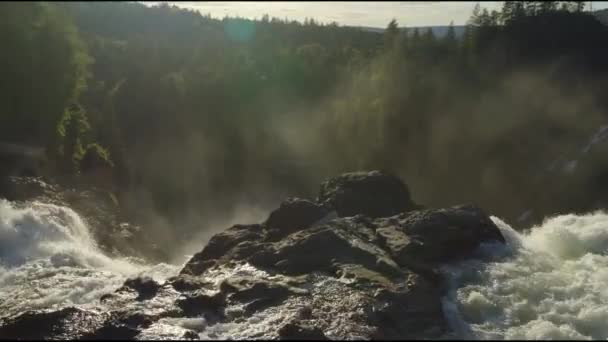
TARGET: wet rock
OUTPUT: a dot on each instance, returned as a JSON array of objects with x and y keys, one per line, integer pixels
[
  {"x": 261, "y": 295},
  {"x": 409, "y": 312},
  {"x": 190, "y": 335},
  {"x": 106, "y": 297},
  {"x": 145, "y": 287},
  {"x": 305, "y": 313},
  {"x": 300, "y": 331},
  {"x": 187, "y": 283},
  {"x": 322, "y": 249},
  {"x": 261, "y": 290},
  {"x": 194, "y": 305},
  {"x": 135, "y": 319},
  {"x": 294, "y": 214},
  {"x": 365, "y": 274},
  {"x": 112, "y": 331},
  {"x": 23, "y": 188},
  {"x": 220, "y": 244},
  {"x": 374, "y": 194},
  {"x": 67, "y": 323},
  {"x": 443, "y": 235},
  {"x": 123, "y": 325}
]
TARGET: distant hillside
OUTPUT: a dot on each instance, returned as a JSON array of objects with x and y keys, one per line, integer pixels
[{"x": 439, "y": 31}]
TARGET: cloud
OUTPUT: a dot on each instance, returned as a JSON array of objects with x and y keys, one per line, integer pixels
[{"x": 377, "y": 13}]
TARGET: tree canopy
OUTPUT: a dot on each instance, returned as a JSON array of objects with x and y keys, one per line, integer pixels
[{"x": 193, "y": 111}]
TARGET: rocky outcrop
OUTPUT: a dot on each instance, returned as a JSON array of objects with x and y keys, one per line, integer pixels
[
  {"x": 24, "y": 188},
  {"x": 294, "y": 214},
  {"x": 145, "y": 287},
  {"x": 71, "y": 323},
  {"x": 373, "y": 194},
  {"x": 385, "y": 258},
  {"x": 371, "y": 273},
  {"x": 437, "y": 235}
]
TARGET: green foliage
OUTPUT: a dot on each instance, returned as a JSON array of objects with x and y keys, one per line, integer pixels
[
  {"x": 200, "y": 111},
  {"x": 93, "y": 155},
  {"x": 45, "y": 66},
  {"x": 71, "y": 129}
]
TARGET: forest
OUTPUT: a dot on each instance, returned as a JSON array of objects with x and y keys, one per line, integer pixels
[{"x": 180, "y": 115}]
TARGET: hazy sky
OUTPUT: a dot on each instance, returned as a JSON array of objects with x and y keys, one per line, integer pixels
[{"x": 376, "y": 13}]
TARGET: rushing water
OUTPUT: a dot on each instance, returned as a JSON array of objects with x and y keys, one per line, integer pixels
[
  {"x": 548, "y": 283},
  {"x": 48, "y": 259}
]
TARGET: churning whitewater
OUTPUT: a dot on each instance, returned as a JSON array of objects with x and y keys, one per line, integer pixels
[
  {"x": 48, "y": 260},
  {"x": 548, "y": 283}
]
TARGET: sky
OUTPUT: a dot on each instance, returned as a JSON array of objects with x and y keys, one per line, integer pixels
[{"x": 372, "y": 13}]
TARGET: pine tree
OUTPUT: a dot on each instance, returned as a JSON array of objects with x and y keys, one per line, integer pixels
[
  {"x": 450, "y": 36},
  {"x": 531, "y": 7},
  {"x": 580, "y": 6},
  {"x": 508, "y": 12},
  {"x": 519, "y": 10},
  {"x": 485, "y": 18},
  {"x": 390, "y": 34},
  {"x": 475, "y": 19},
  {"x": 429, "y": 36},
  {"x": 548, "y": 6}
]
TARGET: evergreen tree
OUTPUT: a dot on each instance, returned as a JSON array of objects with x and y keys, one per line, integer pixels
[
  {"x": 450, "y": 40},
  {"x": 476, "y": 18},
  {"x": 390, "y": 34}
]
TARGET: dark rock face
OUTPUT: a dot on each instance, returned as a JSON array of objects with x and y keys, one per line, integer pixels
[
  {"x": 374, "y": 194},
  {"x": 23, "y": 188},
  {"x": 66, "y": 323},
  {"x": 371, "y": 274},
  {"x": 190, "y": 335},
  {"x": 145, "y": 287},
  {"x": 292, "y": 215},
  {"x": 238, "y": 235},
  {"x": 200, "y": 303},
  {"x": 437, "y": 235},
  {"x": 186, "y": 283},
  {"x": 73, "y": 323},
  {"x": 295, "y": 331}
]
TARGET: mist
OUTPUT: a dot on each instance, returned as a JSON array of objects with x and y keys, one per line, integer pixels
[
  {"x": 490, "y": 146},
  {"x": 202, "y": 123}
]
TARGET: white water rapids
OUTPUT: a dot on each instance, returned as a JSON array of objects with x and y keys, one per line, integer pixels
[
  {"x": 48, "y": 259},
  {"x": 548, "y": 283}
]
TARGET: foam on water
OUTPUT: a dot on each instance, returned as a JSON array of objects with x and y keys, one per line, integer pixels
[
  {"x": 548, "y": 283},
  {"x": 48, "y": 259}
]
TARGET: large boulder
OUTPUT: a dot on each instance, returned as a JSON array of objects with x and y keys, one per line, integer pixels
[
  {"x": 220, "y": 244},
  {"x": 373, "y": 271},
  {"x": 197, "y": 304},
  {"x": 450, "y": 234},
  {"x": 374, "y": 194},
  {"x": 377, "y": 277},
  {"x": 294, "y": 214},
  {"x": 294, "y": 331},
  {"x": 145, "y": 287},
  {"x": 67, "y": 323},
  {"x": 72, "y": 323}
]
